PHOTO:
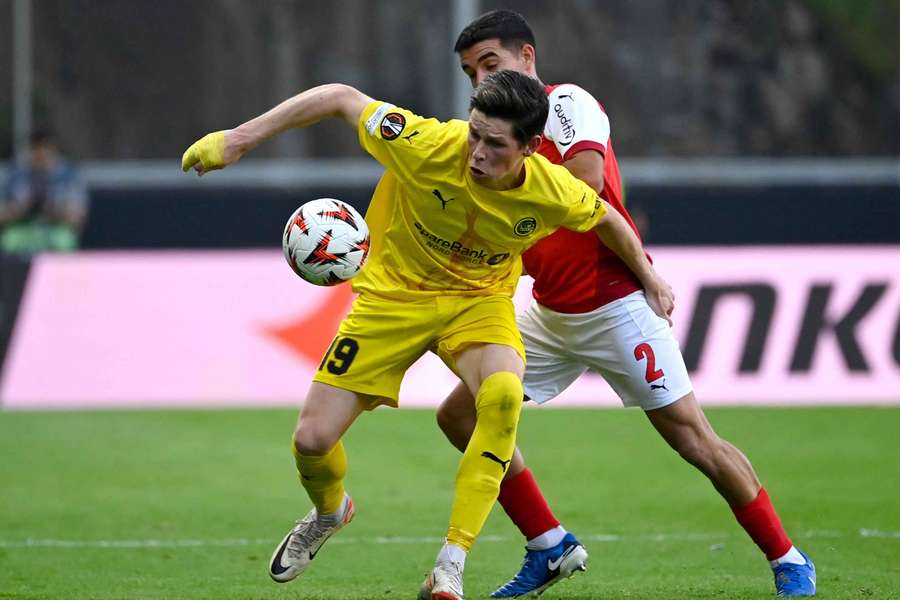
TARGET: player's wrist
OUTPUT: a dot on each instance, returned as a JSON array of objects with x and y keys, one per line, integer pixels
[
  {"x": 651, "y": 281},
  {"x": 243, "y": 138}
]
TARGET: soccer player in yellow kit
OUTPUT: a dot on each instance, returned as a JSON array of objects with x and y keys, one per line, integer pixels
[{"x": 457, "y": 206}]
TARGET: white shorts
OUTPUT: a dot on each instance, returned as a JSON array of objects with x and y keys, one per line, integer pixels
[{"x": 624, "y": 341}]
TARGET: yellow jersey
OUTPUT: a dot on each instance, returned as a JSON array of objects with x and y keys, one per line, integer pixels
[{"x": 435, "y": 231}]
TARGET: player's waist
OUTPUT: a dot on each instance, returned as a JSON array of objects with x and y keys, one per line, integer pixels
[
  {"x": 579, "y": 299},
  {"x": 608, "y": 306},
  {"x": 388, "y": 289}
]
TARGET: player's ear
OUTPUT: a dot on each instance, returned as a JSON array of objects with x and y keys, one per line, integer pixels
[
  {"x": 532, "y": 145},
  {"x": 527, "y": 54}
]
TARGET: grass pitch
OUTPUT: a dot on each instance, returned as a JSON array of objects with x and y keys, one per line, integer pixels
[{"x": 179, "y": 504}]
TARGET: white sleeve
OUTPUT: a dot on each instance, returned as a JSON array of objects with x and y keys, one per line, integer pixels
[{"x": 576, "y": 122}]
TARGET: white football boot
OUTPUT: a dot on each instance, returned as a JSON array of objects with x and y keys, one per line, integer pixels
[
  {"x": 302, "y": 543},
  {"x": 443, "y": 583}
]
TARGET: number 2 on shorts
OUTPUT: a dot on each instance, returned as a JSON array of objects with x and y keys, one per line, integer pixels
[
  {"x": 645, "y": 351},
  {"x": 344, "y": 351}
]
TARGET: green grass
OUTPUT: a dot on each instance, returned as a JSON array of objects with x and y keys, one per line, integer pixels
[{"x": 214, "y": 476}]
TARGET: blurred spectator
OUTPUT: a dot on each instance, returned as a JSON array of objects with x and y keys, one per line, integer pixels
[{"x": 44, "y": 204}]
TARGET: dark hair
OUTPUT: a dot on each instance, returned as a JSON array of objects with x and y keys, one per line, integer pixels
[
  {"x": 508, "y": 26},
  {"x": 41, "y": 135},
  {"x": 516, "y": 98}
]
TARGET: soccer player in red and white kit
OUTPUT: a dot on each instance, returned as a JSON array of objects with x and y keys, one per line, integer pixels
[{"x": 590, "y": 313}]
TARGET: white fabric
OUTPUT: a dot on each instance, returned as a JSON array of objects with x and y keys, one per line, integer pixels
[
  {"x": 792, "y": 556},
  {"x": 561, "y": 347},
  {"x": 451, "y": 553},
  {"x": 575, "y": 116},
  {"x": 548, "y": 539},
  {"x": 375, "y": 120}
]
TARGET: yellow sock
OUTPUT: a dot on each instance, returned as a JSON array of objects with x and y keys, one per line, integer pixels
[
  {"x": 497, "y": 404},
  {"x": 323, "y": 477}
]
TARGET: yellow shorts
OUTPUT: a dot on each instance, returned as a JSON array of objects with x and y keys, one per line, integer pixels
[{"x": 380, "y": 339}]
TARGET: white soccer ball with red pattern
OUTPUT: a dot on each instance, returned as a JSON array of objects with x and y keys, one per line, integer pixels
[{"x": 326, "y": 241}]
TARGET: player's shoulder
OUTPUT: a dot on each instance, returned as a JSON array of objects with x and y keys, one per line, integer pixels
[
  {"x": 553, "y": 180},
  {"x": 390, "y": 122},
  {"x": 571, "y": 93}
]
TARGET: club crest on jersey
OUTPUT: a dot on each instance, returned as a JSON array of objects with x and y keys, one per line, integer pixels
[
  {"x": 392, "y": 126},
  {"x": 525, "y": 226}
]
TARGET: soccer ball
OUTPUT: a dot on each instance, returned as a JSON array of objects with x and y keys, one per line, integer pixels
[{"x": 326, "y": 241}]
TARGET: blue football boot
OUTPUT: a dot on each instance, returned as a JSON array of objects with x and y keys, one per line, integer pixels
[
  {"x": 543, "y": 568},
  {"x": 795, "y": 580}
]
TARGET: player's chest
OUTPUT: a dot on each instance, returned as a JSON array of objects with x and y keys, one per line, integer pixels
[{"x": 454, "y": 211}]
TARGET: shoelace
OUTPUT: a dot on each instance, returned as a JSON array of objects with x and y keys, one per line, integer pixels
[
  {"x": 455, "y": 572},
  {"x": 304, "y": 537}
]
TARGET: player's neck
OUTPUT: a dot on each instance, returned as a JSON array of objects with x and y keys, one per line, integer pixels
[{"x": 512, "y": 180}]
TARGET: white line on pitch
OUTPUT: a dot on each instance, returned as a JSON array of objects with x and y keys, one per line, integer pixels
[{"x": 595, "y": 537}]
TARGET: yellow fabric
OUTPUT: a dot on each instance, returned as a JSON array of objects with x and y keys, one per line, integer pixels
[
  {"x": 435, "y": 230},
  {"x": 209, "y": 151},
  {"x": 498, "y": 405},
  {"x": 381, "y": 338},
  {"x": 323, "y": 477}
]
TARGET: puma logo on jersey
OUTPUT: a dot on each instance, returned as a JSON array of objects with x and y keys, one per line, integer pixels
[
  {"x": 437, "y": 194},
  {"x": 658, "y": 386},
  {"x": 409, "y": 137},
  {"x": 496, "y": 459}
]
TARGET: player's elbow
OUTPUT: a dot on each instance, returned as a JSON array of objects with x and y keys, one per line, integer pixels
[{"x": 348, "y": 102}]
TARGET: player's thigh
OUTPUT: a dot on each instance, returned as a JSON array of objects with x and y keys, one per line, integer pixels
[
  {"x": 375, "y": 345},
  {"x": 326, "y": 415},
  {"x": 549, "y": 369},
  {"x": 477, "y": 361},
  {"x": 478, "y": 336},
  {"x": 639, "y": 356}
]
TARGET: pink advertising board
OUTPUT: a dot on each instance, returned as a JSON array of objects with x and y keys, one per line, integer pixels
[{"x": 760, "y": 325}]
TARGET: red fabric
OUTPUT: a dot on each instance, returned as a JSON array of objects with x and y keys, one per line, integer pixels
[
  {"x": 523, "y": 501},
  {"x": 581, "y": 146},
  {"x": 574, "y": 272},
  {"x": 762, "y": 524}
]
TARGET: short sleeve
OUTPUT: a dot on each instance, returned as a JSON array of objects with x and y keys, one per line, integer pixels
[
  {"x": 397, "y": 138},
  {"x": 586, "y": 208},
  {"x": 576, "y": 122}
]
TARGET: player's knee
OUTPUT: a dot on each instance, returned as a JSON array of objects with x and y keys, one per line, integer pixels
[
  {"x": 502, "y": 389},
  {"x": 449, "y": 416},
  {"x": 499, "y": 402},
  {"x": 444, "y": 418},
  {"x": 311, "y": 441}
]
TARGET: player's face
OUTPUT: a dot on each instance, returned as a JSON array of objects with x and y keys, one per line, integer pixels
[
  {"x": 495, "y": 156},
  {"x": 487, "y": 56}
]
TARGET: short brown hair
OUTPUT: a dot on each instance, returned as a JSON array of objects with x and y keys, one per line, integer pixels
[{"x": 513, "y": 97}]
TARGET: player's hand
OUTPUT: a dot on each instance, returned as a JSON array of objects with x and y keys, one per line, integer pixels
[
  {"x": 213, "y": 151},
  {"x": 661, "y": 298}
]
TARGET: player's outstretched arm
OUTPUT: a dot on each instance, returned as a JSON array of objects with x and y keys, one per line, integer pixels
[
  {"x": 615, "y": 233},
  {"x": 222, "y": 148}
]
